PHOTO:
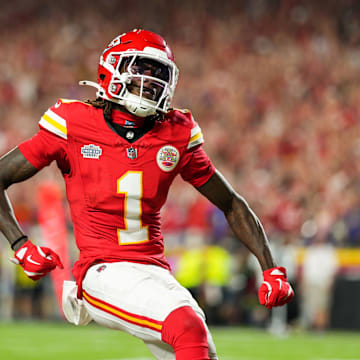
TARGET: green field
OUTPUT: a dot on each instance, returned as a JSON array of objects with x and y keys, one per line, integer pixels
[{"x": 58, "y": 341}]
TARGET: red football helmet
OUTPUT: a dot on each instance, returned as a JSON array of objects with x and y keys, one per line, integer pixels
[{"x": 137, "y": 70}]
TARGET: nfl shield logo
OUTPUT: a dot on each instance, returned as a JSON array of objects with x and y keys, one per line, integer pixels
[{"x": 131, "y": 153}]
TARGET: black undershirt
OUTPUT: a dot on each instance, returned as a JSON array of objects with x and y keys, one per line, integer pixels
[{"x": 138, "y": 132}]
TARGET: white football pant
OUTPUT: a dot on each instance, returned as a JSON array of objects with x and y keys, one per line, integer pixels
[{"x": 135, "y": 298}]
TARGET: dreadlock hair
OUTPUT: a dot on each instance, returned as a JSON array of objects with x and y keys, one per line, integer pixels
[{"x": 107, "y": 107}]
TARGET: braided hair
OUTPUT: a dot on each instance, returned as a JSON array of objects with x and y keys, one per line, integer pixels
[{"x": 106, "y": 107}]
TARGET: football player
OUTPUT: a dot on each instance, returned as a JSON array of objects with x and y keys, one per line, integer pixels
[{"x": 118, "y": 155}]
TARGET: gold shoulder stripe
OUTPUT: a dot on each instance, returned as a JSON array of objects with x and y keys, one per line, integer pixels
[
  {"x": 196, "y": 137},
  {"x": 54, "y": 123}
]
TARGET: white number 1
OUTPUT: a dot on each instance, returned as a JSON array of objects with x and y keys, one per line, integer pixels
[{"x": 131, "y": 185}]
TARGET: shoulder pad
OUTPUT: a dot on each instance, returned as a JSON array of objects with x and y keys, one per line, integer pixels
[
  {"x": 181, "y": 117},
  {"x": 185, "y": 118},
  {"x": 54, "y": 119},
  {"x": 68, "y": 101}
]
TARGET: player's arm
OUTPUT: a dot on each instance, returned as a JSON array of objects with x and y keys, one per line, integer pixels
[
  {"x": 242, "y": 220},
  {"x": 14, "y": 168},
  {"x": 275, "y": 289}
]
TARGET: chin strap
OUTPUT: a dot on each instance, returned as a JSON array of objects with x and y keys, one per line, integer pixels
[
  {"x": 100, "y": 91},
  {"x": 124, "y": 78},
  {"x": 90, "y": 83}
]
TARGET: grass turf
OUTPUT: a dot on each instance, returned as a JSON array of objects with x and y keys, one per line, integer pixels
[{"x": 59, "y": 341}]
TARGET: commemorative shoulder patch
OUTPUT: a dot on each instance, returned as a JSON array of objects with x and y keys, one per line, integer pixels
[{"x": 167, "y": 157}]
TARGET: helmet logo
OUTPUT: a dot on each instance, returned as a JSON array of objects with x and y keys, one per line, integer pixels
[
  {"x": 167, "y": 158},
  {"x": 115, "y": 42}
]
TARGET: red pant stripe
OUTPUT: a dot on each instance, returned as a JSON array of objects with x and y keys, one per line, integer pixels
[{"x": 122, "y": 314}]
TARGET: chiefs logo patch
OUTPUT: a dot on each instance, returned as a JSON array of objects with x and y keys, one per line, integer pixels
[{"x": 167, "y": 157}]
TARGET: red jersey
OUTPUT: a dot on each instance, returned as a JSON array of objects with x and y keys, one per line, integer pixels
[{"x": 116, "y": 188}]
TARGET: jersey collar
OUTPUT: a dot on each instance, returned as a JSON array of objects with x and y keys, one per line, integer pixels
[{"x": 127, "y": 120}]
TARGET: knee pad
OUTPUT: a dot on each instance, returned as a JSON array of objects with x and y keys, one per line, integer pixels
[{"x": 186, "y": 333}]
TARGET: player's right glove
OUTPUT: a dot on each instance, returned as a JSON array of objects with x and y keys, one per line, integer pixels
[
  {"x": 275, "y": 289},
  {"x": 36, "y": 261}
]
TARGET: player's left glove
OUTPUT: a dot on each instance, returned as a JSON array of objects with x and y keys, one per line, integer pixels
[
  {"x": 275, "y": 290},
  {"x": 36, "y": 261}
]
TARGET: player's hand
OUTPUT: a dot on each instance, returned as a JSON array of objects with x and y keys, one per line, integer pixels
[
  {"x": 36, "y": 261},
  {"x": 275, "y": 290}
]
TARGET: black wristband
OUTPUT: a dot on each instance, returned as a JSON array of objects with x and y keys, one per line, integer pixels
[{"x": 17, "y": 240}]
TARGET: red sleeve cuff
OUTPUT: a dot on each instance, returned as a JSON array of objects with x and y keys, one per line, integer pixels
[
  {"x": 25, "y": 149},
  {"x": 198, "y": 169}
]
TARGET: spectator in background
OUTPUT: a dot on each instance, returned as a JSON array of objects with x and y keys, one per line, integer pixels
[
  {"x": 282, "y": 78},
  {"x": 319, "y": 269}
]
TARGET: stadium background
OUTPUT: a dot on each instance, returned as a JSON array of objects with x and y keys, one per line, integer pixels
[{"x": 274, "y": 86}]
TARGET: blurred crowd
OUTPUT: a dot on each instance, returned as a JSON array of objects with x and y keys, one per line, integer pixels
[{"x": 274, "y": 85}]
